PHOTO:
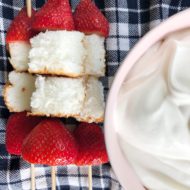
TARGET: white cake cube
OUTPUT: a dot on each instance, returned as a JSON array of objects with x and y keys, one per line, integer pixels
[
  {"x": 80, "y": 98},
  {"x": 58, "y": 96},
  {"x": 95, "y": 60},
  {"x": 19, "y": 55},
  {"x": 58, "y": 53},
  {"x": 18, "y": 92},
  {"x": 93, "y": 108}
]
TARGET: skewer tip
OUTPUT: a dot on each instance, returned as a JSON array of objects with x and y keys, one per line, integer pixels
[
  {"x": 29, "y": 7},
  {"x": 32, "y": 169},
  {"x": 53, "y": 177},
  {"x": 90, "y": 177}
]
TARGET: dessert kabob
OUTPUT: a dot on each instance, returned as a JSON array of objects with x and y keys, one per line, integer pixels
[
  {"x": 86, "y": 98},
  {"x": 55, "y": 15},
  {"x": 89, "y": 20},
  {"x": 61, "y": 51},
  {"x": 17, "y": 40}
]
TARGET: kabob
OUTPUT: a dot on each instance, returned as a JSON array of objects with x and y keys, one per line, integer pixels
[
  {"x": 89, "y": 19},
  {"x": 17, "y": 40},
  {"x": 56, "y": 17}
]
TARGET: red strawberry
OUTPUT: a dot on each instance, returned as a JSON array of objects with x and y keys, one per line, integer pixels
[
  {"x": 19, "y": 125},
  {"x": 92, "y": 150},
  {"x": 50, "y": 143},
  {"x": 89, "y": 19},
  {"x": 20, "y": 28},
  {"x": 54, "y": 15}
]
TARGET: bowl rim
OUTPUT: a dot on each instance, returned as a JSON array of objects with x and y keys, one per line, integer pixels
[{"x": 120, "y": 165}]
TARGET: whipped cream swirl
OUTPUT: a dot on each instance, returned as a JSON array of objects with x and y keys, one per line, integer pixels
[{"x": 153, "y": 114}]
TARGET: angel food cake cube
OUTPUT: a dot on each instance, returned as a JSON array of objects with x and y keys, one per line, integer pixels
[
  {"x": 58, "y": 96},
  {"x": 95, "y": 59},
  {"x": 81, "y": 98},
  {"x": 19, "y": 52},
  {"x": 18, "y": 91},
  {"x": 58, "y": 53},
  {"x": 93, "y": 107}
]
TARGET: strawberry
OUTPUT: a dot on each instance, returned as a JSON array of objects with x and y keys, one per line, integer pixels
[
  {"x": 50, "y": 143},
  {"x": 92, "y": 150},
  {"x": 54, "y": 15},
  {"x": 89, "y": 19},
  {"x": 20, "y": 28},
  {"x": 19, "y": 125}
]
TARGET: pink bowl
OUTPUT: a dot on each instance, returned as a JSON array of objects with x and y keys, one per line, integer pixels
[{"x": 121, "y": 166}]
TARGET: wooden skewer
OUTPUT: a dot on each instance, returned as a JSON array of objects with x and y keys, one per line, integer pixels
[
  {"x": 32, "y": 170},
  {"x": 90, "y": 177},
  {"x": 53, "y": 177},
  {"x": 29, "y": 7}
]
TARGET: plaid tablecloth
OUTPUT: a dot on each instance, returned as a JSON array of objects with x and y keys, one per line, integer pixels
[{"x": 129, "y": 21}]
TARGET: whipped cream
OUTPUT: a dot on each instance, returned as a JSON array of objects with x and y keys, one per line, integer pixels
[{"x": 153, "y": 114}]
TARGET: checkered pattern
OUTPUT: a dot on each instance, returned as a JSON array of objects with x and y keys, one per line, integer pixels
[{"x": 129, "y": 20}]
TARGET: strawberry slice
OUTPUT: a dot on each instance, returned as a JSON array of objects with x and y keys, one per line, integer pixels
[
  {"x": 89, "y": 19},
  {"x": 54, "y": 15},
  {"x": 92, "y": 150},
  {"x": 19, "y": 125},
  {"x": 20, "y": 28},
  {"x": 50, "y": 143}
]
